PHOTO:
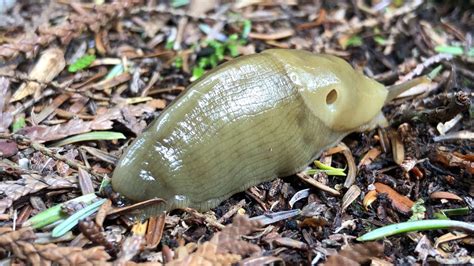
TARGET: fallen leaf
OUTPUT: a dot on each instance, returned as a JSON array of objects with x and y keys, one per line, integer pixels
[
  {"x": 454, "y": 159},
  {"x": 156, "y": 224},
  {"x": 102, "y": 121},
  {"x": 399, "y": 202}
]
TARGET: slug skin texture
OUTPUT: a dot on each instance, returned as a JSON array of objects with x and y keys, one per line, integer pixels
[{"x": 247, "y": 121}]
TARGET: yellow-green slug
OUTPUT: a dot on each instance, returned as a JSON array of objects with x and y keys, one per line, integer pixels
[{"x": 249, "y": 120}]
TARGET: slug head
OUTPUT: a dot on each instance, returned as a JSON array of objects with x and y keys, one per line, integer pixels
[{"x": 342, "y": 98}]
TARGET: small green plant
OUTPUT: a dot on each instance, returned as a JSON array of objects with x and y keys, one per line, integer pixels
[
  {"x": 18, "y": 124},
  {"x": 453, "y": 50},
  {"x": 220, "y": 49},
  {"x": 329, "y": 170},
  {"x": 81, "y": 63},
  {"x": 412, "y": 226},
  {"x": 354, "y": 41},
  {"x": 418, "y": 210}
]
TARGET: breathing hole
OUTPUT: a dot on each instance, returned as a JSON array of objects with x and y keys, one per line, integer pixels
[{"x": 331, "y": 97}]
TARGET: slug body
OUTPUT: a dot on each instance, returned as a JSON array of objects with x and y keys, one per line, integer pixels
[{"x": 250, "y": 120}]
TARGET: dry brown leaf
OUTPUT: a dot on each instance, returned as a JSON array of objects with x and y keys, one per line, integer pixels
[
  {"x": 49, "y": 65},
  {"x": 399, "y": 202},
  {"x": 102, "y": 121},
  {"x": 50, "y": 108},
  {"x": 445, "y": 195},
  {"x": 15, "y": 189},
  {"x": 225, "y": 247},
  {"x": 454, "y": 159},
  {"x": 355, "y": 255},
  {"x": 85, "y": 182},
  {"x": 449, "y": 237},
  {"x": 156, "y": 224},
  {"x": 48, "y": 133}
]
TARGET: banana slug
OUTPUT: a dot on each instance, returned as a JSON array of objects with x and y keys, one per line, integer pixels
[{"x": 247, "y": 121}]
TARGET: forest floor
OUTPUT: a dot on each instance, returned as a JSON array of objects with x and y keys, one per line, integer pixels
[{"x": 80, "y": 80}]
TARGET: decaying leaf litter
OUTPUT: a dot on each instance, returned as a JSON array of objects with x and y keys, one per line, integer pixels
[{"x": 79, "y": 81}]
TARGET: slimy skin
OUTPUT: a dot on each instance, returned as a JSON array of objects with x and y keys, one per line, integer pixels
[{"x": 250, "y": 120}]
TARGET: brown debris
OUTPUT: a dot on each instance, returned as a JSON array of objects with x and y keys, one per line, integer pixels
[
  {"x": 8, "y": 148},
  {"x": 6, "y": 118},
  {"x": 352, "y": 194},
  {"x": 49, "y": 65},
  {"x": 156, "y": 225},
  {"x": 20, "y": 243},
  {"x": 454, "y": 159},
  {"x": 272, "y": 36},
  {"x": 355, "y": 255},
  {"x": 94, "y": 233},
  {"x": 399, "y": 202},
  {"x": 225, "y": 247},
  {"x": 458, "y": 103},
  {"x": 28, "y": 184},
  {"x": 68, "y": 30}
]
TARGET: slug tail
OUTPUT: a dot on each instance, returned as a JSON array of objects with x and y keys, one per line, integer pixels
[{"x": 395, "y": 90}]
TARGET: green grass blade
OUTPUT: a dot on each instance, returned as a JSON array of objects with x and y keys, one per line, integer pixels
[
  {"x": 74, "y": 219},
  {"x": 423, "y": 225},
  {"x": 95, "y": 135},
  {"x": 55, "y": 213}
]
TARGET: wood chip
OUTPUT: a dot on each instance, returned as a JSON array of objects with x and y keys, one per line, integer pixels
[
  {"x": 317, "y": 184},
  {"x": 272, "y": 36},
  {"x": 369, "y": 198},
  {"x": 399, "y": 202},
  {"x": 85, "y": 182},
  {"x": 398, "y": 150},
  {"x": 50, "y": 64},
  {"x": 291, "y": 243},
  {"x": 352, "y": 169},
  {"x": 352, "y": 194},
  {"x": 445, "y": 195},
  {"x": 369, "y": 157}
]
